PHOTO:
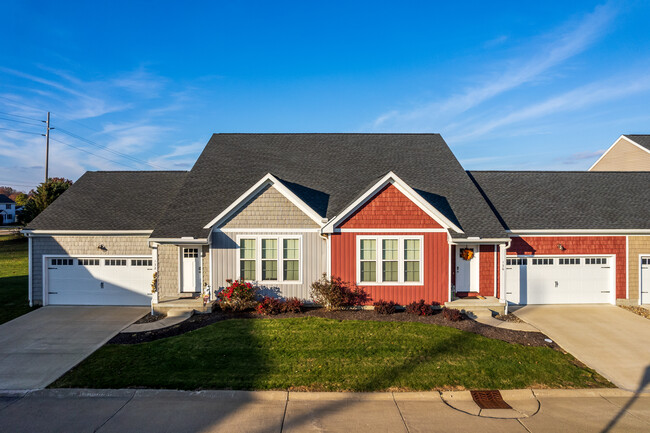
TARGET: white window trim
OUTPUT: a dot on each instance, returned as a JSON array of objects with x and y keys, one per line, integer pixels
[
  {"x": 258, "y": 258},
  {"x": 400, "y": 261}
]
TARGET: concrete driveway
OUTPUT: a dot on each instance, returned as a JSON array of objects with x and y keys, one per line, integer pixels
[
  {"x": 612, "y": 341},
  {"x": 39, "y": 347}
]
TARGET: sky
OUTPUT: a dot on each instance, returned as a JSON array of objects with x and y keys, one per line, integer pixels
[{"x": 143, "y": 85}]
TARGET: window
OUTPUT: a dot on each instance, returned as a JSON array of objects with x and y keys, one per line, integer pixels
[
  {"x": 141, "y": 262},
  {"x": 516, "y": 262},
  {"x": 571, "y": 261},
  {"x": 645, "y": 261},
  {"x": 247, "y": 259},
  {"x": 291, "y": 259},
  {"x": 8, "y": 206},
  {"x": 62, "y": 262},
  {"x": 543, "y": 261},
  {"x": 277, "y": 257},
  {"x": 115, "y": 262},
  {"x": 190, "y": 252},
  {"x": 88, "y": 262},
  {"x": 389, "y": 260},
  {"x": 596, "y": 261}
]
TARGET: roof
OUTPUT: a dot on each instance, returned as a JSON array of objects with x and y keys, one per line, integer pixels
[
  {"x": 641, "y": 140},
  {"x": 112, "y": 200},
  {"x": 549, "y": 200},
  {"x": 5, "y": 199},
  {"x": 327, "y": 172}
]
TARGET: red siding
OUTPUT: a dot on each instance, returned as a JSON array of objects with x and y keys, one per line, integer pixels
[
  {"x": 577, "y": 245},
  {"x": 435, "y": 267},
  {"x": 389, "y": 209},
  {"x": 486, "y": 270}
]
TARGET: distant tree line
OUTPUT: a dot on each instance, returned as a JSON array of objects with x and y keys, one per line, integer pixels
[{"x": 35, "y": 202}]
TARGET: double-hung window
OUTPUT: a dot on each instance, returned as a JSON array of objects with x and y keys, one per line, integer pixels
[
  {"x": 270, "y": 258},
  {"x": 389, "y": 260}
]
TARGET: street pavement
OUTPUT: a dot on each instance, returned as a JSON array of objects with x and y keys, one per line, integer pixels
[{"x": 61, "y": 410}]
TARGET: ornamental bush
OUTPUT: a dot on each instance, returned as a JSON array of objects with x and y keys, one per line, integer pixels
[
  {"x": 452, "y": 314},
  {"x": 293, "y": 305},
  {"x": 238, "y": 296},
  {"x": 272, "y": 306},
  {"x": 420, "y": 308},
  {"x": 385, "y": 307},
  {"x": 336, "y": 294}
]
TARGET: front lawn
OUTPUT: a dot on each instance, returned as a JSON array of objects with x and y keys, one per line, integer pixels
[
  {"x": 329, "y": 355},
  {"x": 13, "y": 277}
]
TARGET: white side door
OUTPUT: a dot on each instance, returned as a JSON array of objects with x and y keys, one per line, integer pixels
[
  {"x": 516, "y": 277},
  {"x": 645, "y": 280},
  {"x": 191, "y": 270}
]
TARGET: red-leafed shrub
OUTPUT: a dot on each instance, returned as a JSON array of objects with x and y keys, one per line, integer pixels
[
  {"x": 270, "y": 306},
  {"x": 238, "y": 296},
  {"x": 293, "y": 305},
  {"x": 452, "y": 314},
  {"x": 385, "y": 307},
  {"x": 336, "y": 294},
  {"x": 420, "y": 308}
]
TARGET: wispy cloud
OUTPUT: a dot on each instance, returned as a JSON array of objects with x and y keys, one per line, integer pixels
[
  {"x": 579, "y": 157},
  {"x": 549, "y": 51}
]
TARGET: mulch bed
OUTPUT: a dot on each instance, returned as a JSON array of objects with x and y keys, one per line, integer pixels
[
  {"x": 201, "y": 320},
  {"x": 148, "y": 318},
  {"x": 643, "y": 312},
  {"x": 509, "y": 318}
]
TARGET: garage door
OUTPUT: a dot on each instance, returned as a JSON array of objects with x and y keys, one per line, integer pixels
[
  {"x": 559, "y": 280},
  {"x": 645, "y": 280},
  {"x": 99, "y": 281}
]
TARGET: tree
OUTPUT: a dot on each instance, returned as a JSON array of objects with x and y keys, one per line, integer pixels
[
  {"x": 44, "y": 195},
  {"x": 21, "y": 199}
]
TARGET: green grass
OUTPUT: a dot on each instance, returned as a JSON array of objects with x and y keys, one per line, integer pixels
[
  {"x": 328, "y": 355},
  {"x": 13, "y": 277}
]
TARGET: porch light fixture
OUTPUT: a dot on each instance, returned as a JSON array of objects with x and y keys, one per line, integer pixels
[
  {"x": 101, "y": 247},
  {"x": 560, "y": 247}
]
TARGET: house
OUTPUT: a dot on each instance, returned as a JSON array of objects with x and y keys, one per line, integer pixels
[
  {"x": 394, "y": 213},
  {"x": 628, "y": 153},
  {"x": 7, "y": 210}
]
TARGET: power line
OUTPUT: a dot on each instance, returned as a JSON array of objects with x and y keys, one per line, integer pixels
[
  {"x": 20, "y": 104},
  {"x": 20, "y": 121},
  {"x": 22, "y": 117},
  {"x": 91, "y": 153},
  {"x": 23, "y": 132}
]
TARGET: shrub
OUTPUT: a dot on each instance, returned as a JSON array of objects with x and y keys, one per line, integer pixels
[
  {"x": 384, "y": 307},
  {"x": 271, "y": 306},
  {"x": 336, "y": 294},
  {"x": 420, "y": 308},
  {"x": 238, "y": 296},
  {"x": 452, "y": 314},
  {"x": 293, "y": 305}
]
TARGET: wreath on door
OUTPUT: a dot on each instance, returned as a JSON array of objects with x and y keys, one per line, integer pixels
[{"x": 467, "y": 253}]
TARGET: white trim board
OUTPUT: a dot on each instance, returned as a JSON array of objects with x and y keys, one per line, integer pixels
[
  {"x": 400, "y": 261},
  {"x": 392, "y": 178},
  {"x": 268, "y": 180},
  {"x": 641, "y": 256},
  {"x": 337, "y": 230},
  {"x": 629, "y": 140},
  {"x": 280, "y": 258}
]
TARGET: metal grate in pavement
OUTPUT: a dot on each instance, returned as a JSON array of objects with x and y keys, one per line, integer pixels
[{"x": 489, "y": 400}]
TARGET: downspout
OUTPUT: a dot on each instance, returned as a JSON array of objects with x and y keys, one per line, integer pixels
[
  {"x": 328, "y": 253},
  {"x": 29, "y": 268},
  {"x": 211, "y": 285}
]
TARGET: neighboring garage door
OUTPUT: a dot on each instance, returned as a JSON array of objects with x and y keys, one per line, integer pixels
[
  {"x": 559, "y": 280},
  {"x": 645, "y": 280},
  {"x": 99, "y": 281}
]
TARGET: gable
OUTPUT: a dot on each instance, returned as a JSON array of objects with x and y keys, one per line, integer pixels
[
  {"x": 389, "y": 208},
  {"x": 623, "y": 156},
  {"x": 269, "y": 208}
]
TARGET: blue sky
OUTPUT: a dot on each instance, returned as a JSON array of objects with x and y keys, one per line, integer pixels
[{"x": 509, "y": 85}]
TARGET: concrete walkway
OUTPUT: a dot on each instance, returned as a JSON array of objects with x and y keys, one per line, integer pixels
[
  {"x": 279, "y": 411},
  {"x": 39, "y": 347},
  {"x": 173, "y": 318},
  {"x": 611, "y": 340},
  {"x": 491, "y": 321}
]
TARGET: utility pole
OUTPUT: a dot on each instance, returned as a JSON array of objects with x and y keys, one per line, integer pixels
[{"x": 47, "y": 144}]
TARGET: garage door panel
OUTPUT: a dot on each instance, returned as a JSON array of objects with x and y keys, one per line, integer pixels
[
  {"x": 559, "y": 280},
  {"x": 110, "y": 281}
]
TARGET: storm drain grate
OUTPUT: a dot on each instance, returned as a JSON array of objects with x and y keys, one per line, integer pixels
[{"x": 489, "y": 400}]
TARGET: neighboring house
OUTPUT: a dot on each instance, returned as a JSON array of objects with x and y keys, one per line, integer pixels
[
  {"x": 7, "y": 210},
  {"x": 394, "y": 213},
  {"x": 628, "y": 153}
]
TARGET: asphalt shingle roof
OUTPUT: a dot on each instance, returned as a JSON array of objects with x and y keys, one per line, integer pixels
[
  {"x": 5, "y": 199},
  {"x": 531, "y": 200},
  {"x": 641, "y": 140},
  {"x": 112, "y": 200},
  {"x": 327, "y": 171}
]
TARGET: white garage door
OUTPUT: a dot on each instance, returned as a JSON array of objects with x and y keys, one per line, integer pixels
[
  {"x": 99, "y": 281},
  {"x": 645, "y": 280},
  {"x": 559, "y": 280}
]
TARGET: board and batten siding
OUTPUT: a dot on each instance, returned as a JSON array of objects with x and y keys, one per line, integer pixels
[
  {"x": 79, "y": 246},
  {"x": 637, "y": 246},
  {"x": 225, "y": 261}
]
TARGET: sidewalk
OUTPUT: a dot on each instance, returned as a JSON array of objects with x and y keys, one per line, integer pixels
[{"x": 279, "y": 411}]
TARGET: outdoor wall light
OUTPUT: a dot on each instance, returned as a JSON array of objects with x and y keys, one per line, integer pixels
[
  {"x": 101, "y": 247},
  {"x": 560, "y": 247}
]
